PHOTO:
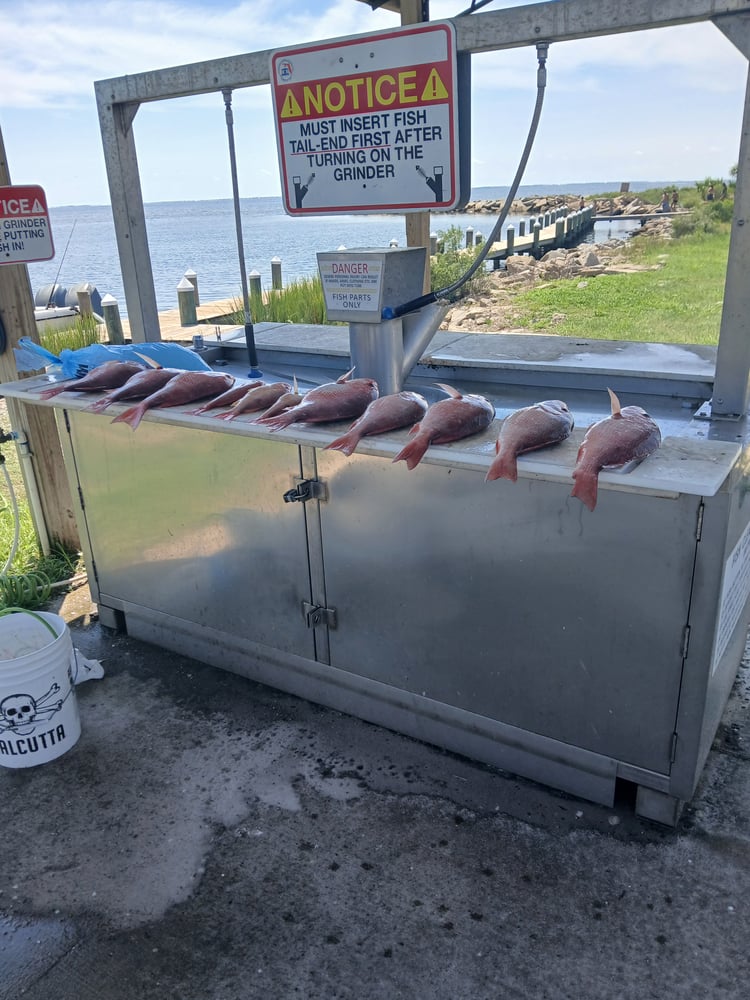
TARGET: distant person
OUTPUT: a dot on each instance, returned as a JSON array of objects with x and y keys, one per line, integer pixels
[
  {"x": 675, "y": 200},
  {"x": 581, "y": 204},
  {"x": 710, "y": 193},
  {"x": 723, "y": 194},
  {"x": 665, "y": 202}
]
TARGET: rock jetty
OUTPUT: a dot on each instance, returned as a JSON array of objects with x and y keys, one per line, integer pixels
[{"x": 621, "y": 204}]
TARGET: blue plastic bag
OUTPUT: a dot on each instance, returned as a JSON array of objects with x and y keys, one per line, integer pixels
[{"x": 74, "y": 364}]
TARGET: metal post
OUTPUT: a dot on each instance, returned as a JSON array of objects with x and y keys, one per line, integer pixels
[{"x": 252, "y": 355}]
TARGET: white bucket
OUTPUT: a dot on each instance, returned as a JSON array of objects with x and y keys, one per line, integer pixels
[{"x": 39, "y": 718}]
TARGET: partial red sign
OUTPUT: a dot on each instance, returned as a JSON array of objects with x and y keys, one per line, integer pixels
[{"x": 25, "y": 232}]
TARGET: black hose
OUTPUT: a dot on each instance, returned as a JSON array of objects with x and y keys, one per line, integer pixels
[{"x": 392, "y": 312}]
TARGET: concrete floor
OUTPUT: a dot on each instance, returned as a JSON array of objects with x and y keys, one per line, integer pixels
[{"x": 212, "y": 839}]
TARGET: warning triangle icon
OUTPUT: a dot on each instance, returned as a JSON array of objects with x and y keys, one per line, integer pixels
[
  {"x": 290, "y": 108},
  {"x": 434, "y": 89}
]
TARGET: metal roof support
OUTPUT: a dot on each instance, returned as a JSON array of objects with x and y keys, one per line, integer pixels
[
  {"x": 731, "y": 386},
  {"x": 562, "y": 20},
  {"x": 115, "y": 122}
]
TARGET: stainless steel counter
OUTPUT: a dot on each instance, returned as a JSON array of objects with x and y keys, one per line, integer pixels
[{"x": 501, "y": 620}]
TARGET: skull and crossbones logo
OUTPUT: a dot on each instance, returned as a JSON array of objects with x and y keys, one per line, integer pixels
[{"x": 19, "y": 713}]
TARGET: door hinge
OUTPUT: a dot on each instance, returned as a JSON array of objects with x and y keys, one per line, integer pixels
[
  {"x": 67, "y": 421},
  {"x": 673, "y": 748},
  {"x": 685, "y": 642},
  {"x": 315, "y": 614},
  {"x": 306, "y": 489},
  {"x": 80, "y": 499},
  {"x": 699, "y": 522}
]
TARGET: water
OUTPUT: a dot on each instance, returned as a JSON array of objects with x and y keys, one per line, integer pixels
[{"x": 201, "y": 235}]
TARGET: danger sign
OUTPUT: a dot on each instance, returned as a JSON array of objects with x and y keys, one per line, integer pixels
[
  {"x": 25, "y": 233},
  {"x": 369, "y": 123}
]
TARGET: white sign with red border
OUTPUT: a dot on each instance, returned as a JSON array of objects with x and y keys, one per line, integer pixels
[
  {"x": 25, "y": 233},
  {"x": 369, "y": 123}
]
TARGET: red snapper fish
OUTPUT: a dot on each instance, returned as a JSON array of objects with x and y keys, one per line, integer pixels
[
  {"x": 110, "y": 375},
  {"x": 445, "y": 421},
  {"x": 627, "y": 435},
  {"x": 284, "y": 402},
  {"x": 227, "y": 398},
  {"x": 527, "y": 429},
  {"x": 185, "y": 387},
  {"x": 339, "y": 400},
  {"x": 138, "y": 386},
  {"x": 259, "y": 398},
  {"x": 386, "y": 413}
]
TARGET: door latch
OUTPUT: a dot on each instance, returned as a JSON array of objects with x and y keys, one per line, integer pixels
[
  {"x": 306, "y": 489},
  {"x": 315, "y": 615}
]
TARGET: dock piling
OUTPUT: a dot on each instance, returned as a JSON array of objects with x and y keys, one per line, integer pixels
[
  {"x": 186, "y": 303},
  {"x": 111, "y": 311}
]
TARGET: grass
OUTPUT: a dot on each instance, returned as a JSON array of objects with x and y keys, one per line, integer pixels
[
  {"x": 300, "y": 301},
  {"x": 28, "y": 579},
  {"x": 678, "y": 300}
]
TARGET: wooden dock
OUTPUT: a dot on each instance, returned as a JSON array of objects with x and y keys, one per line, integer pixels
[
  {"x": 558, "y": 228},
  {"x": 170, "y": 323}
]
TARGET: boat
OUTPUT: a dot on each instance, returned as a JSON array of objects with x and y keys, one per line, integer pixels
[{"x": 58, "y": 317}]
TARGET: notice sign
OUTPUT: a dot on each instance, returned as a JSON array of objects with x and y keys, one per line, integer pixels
[
  {"x": 25, "y": 233},
  {"x": 369, "y": 124}
]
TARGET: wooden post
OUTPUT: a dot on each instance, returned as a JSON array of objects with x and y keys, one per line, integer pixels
[
  {"x": 276, "y": 281},
  {"x": 510, "y": 239},
  {"x": 48, "y": 481},
  {"x": 111, "y": 312},
  {"x": 186, "y": 303},
  {"x": 192, "y": 277},
  {"x": 84, "y": 300},
  {"x": 255, "y": 285},
  {"x": 417, "y": 223}
]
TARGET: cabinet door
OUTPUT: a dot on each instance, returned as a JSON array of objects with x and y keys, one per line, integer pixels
[
  {"x": 193, "y": 523},
  {"x": 511, "y": 600}
]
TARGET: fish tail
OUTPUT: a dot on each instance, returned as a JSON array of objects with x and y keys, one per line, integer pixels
[
  {"x": 49, "y": 393},
  {"x": 586, "y": 486},
  {"x": 132, "y": 416},
  {"x": 345, "y": 444},
  {"x": 98, "y": 405},
  {"x": 504, "y": 466},
  {"x": 413, "y": 452},
  {"x": 276, "y": 423}
]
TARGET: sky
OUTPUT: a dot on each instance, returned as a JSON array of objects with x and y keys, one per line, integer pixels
[{"x": 663, "y": 105}]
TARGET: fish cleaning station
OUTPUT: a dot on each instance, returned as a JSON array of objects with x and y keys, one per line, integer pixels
[{"x": 505, "y": 621}]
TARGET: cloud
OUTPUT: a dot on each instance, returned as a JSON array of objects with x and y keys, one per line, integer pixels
[{"x": 60, "y": 48}]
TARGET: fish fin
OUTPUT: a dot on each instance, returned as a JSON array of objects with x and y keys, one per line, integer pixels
[
  {"x": 149, "y": 361},
  {"x": 615, "y": 403},
  {"x": 346, "y": 376},
  {"x": 131, "y": 416},
  {"x": 276, "y": 423},
  {"x": 295, "y": 389},
  {"x": 345, "y": 444},
  {"x": 585, "y": 486},
  {"x": 505, "y": 466},
  {"x": 413, "y": 452},
  {"x": 415, "y": 428},
  {"x": 49, "y": 393},
  {"x": 450, "y": 390},
  {"x": 98, "y": 406}
]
